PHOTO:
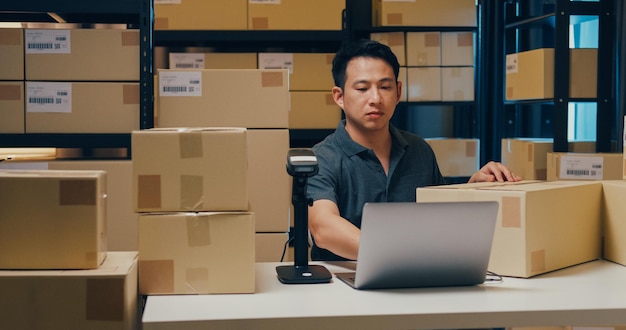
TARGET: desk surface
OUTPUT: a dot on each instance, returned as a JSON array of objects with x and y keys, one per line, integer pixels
[{"x": 593, "y": 293}]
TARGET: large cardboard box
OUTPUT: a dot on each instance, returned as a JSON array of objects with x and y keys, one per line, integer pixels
[
  {"x": 457, "y": 48},
  {"x": 530, "y": 74},
  {"x": 271, "y": 247},
  {"x": 295, "y": 15},
  {"x": 424, "y": 84},
  {"x": 82, "y": 54},
  {"x": 190, "y": 169},
  {"x": 11, "y": 106},
  {"x": 196, "y": 253},
  {"x": 12, "y": 50},
  {"x": 52, "y": 219},
  {"x": 313, "y": 110},
  {"x": 307, "y": 71},
  {"x": 200, "y": 15},
  {"x": 191, "y": 60},
  {"x": 423, "y": 48},
  {"x": 103, "y": 298},
  {"x": 82, "y": 107},
  {"x": 121, "y": 218},
  {"x": 614, "y": 221},
  {"x": 584, "y": 166},
  {"x": 457, "y": 84},
  {"x": 456, "y": 157},
  {"x": 541, "y": 226},
  {"x": 224, "y": 98},
  {"x": 423, "y": 13},
  {"x": 268, "y": 182},
  {"x": 395, "y": 41}
]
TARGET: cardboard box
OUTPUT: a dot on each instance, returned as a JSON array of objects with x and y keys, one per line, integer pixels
[
  {"x": 11, "y": 106},
  {"x": 190, "y": 169},
  {"x": 614, "y": 221},
  {"x": 201, "y": 61},
  {"x": 584, "y": 166},
  {"x": 103, "y": 298},
  {"x": 424, "y": 13},
  {"x": 530, "y": 74},
  {"x": 270, "y": 246},
  {"x": 121, "y": 217},
  {"x": 541, "y": 226},
  {"x": 313, "y": 110},
  {"x": 82, "y": 55},
  {"x": 457, "y": 48},
  {"x": 307, "y": 72},
  {"x": 457, "y": 84},
  {"x": 196, "y": 253},
  {"x": 295, "y": 15},
  {"x": 268, "y": 182},
  {"x": 12, "y": 50},
  {"x": 82, "y": 107},
  {"x": 200, "y": 15},
  {"x": 395, "y": 41},
  {"x": 456, "y": 157},
  {"x": 424, "y": 84},
  {"x": 423, "y": 48},
  {"x": 52, "y": 219},
  {"x": 224, "y": 98}
]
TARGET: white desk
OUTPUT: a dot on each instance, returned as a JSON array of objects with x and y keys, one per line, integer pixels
[{"x": 589, "y": 294}]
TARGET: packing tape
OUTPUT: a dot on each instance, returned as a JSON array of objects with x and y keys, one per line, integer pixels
[
  {"x": 394, "y": 19},
  {"x": 149, "y": 191},
  {"x": 197, "y": 280},
  {"x": 11, "y": 37},
  {"x": 538, "y": 261},
  {"x": 465, "y": 39},
  {"x": 272, "y": 79},
  {"x": 156, "y": 276},
  {"x": 198, "y": 230},
  {"x": 10, "y": 92},
  {"x": 511, "y": 212},
  {"x": 130, "y": 38},
  {"x": 260, "y": 23},
  {"x": 432, "y": 39},
  {"x": 330, "y": 58},
  {"x": 395, "y": 39},
  {"x": 105, "y": 299},
  {"x": 191, "y": 192},
  {"x": 130, "y": 94},
  {"x": 190, "y": 144},
  {"x": 530, "y": 152},
  {"x": 330, "y": 100},
  {"x": 470, "y": 149},
  {"x": 77, "y": 192},
  {"x": 161, "y": 23}
]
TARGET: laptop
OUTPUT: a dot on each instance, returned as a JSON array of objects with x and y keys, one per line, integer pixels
[{"x": 416, "y": 245}]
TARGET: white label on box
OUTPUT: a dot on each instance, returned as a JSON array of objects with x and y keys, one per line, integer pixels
[
  {"x": 511, "y": 63},
  {"x": 48, "y": 97},
  {"x": 47, "y": 42},
  {"x": 168, "y": 2},
  {"x": 589, "y": 168},
  {"x": 186, "y": 61},
  {"x": 180, "y": 83},
  {"x": 265, "y": 2},
  {"x": 276, "y": 61}
]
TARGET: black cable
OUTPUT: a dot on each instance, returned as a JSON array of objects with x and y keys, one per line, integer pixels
[
  {"x": 493, "y": 277},
  {"x": 285, "y": 248}
]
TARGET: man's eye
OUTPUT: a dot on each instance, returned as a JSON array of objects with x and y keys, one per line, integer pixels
[
  {"x": 361, "y": 89},
  {"x": 385, "y": 87}
]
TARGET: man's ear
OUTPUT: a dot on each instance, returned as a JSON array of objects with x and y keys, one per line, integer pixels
[
  {"x": 399, "y": 87},
  {"x": 338, "y": 96}
]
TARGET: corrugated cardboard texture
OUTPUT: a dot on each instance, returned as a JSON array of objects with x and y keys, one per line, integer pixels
[
  {"x": 542, "y": 226},
  {"x": 52, "y": 219},
  {"x": 313, "y": 110},
  {"x": 99, "y": 107},
  {"x": 213, "y": 253},
  {"x": 96, "y": 54},
  {"x": 11, "y": 107},
  {"x": 222, "y": 104},
  {"x": 103, "y": 298},
  {"x": 12, "y": 50},
  {"x": 176, "y": 171}
]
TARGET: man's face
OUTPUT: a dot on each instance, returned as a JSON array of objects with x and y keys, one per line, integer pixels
[{"x": 370, "y": 95}]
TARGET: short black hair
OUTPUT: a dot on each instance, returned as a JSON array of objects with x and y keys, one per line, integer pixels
[{"x": 362, "y": 48}]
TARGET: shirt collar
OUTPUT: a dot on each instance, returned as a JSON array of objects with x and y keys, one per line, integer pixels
[{"x": 351, "y": 148}]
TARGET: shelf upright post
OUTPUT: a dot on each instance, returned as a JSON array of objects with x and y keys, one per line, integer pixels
[
  {"x": 607, "y": 114},
  {"x": 561, "y": 75},
  {"x": 146, "y": 83}
]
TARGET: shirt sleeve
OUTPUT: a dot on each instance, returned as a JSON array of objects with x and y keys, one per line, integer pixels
[{"x": 324, "y": 184}]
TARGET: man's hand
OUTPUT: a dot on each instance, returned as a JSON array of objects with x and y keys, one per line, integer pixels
[{"x": 494, "y": 171}]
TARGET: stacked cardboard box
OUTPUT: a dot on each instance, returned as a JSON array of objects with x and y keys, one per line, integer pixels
[
  {"x": 456, "y": 157},
  {"x": 584, "y": 166},
  {"x": 424, "y": 13},
  {"x": 81, "y": 80},
  {"x": 541, "y": 226},
  {"x": 12, "y": 80}
]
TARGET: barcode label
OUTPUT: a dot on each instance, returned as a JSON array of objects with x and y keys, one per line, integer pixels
[
  {"x": 48, "y": 97},
  {"x": 180, "y": 83},
  {"x": 187, "y": 60},
  {"x": 47, "y": 41},
  {"x": 270, "y": 61},
  {"x": 581, "y": 167}
]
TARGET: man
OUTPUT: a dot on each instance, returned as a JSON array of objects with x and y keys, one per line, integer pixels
[{"x": 367, "y": 159}]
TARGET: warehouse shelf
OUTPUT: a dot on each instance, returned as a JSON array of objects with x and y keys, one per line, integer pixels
[{"x": 136, "y": 14}]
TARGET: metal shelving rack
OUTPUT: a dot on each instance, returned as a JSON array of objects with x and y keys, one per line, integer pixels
[
  {"x": 552, "y": 24},
  {"x": 136, "y": 14}
]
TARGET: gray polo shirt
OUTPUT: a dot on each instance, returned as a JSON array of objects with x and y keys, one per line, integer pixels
[{"x": 351, "y": 175}]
